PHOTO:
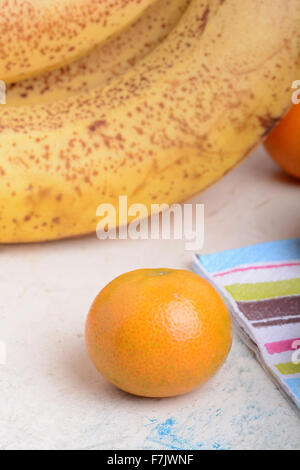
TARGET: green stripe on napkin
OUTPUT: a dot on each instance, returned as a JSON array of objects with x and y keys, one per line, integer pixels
[{"x": 264, "y": 290}]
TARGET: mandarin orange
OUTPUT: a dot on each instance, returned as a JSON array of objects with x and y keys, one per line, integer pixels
[
  {"x": 158, "y": 332},
  {"x": 283, "y": 144}
]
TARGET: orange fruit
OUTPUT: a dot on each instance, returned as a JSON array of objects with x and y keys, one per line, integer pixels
[
  {"x": 158, "y": 332},
  {"x": 283, "y": 144}
]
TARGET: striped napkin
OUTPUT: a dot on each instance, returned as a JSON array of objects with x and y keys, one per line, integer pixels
[{"x": 261, "y": 286}]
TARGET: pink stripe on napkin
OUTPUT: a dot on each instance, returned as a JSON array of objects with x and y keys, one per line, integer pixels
[{"x": 282, "y": 346}]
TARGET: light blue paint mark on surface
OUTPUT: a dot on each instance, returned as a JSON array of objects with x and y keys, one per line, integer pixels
[
  {"x": 217, "y": 446},
  {"x": 164, "y": 433},
  {"x": 171, "y": 435},
  {"x": 165, "y": 428}
]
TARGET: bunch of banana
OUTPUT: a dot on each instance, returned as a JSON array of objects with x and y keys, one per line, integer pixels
[{"x": 160, "y": 130}]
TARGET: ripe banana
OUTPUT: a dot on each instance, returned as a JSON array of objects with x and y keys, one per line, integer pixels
[
  {"x": 44, "y": 35},
  {"x": 104, "y": 62},
  {"x": 162, "y": 131}
]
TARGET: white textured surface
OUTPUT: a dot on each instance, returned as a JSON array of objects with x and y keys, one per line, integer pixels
[{"x": 50, "y": 395}]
